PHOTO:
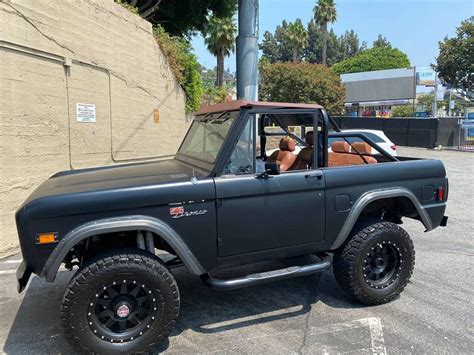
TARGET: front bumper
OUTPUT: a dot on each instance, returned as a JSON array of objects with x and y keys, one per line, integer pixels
[{"x": 23, "y": 274}]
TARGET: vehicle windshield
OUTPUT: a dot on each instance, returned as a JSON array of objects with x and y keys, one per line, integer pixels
[{"x": 206, "y": 136}]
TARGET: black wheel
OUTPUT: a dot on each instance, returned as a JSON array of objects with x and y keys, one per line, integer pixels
[
  {"x": 376, "y": 262},
  {"x": 120, "y": 303}
]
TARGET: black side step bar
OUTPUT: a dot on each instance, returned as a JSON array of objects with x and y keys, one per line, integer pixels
[{"x": 258, "y": 278}]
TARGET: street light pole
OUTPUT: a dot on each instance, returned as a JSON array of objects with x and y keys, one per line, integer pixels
[
  {"x": 435, "y": 103},
  {"x": 247, "y": 50}
]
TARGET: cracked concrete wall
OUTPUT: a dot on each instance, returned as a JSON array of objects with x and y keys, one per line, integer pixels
[{"x": 54, "y": 54}]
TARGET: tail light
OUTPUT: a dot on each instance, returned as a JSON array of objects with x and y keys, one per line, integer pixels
[
  {"x": 393, "y": 147},
  {"x": 440, "y": 194}
]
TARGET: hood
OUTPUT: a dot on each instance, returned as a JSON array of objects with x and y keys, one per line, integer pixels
[{"x": 115, "y": 177}]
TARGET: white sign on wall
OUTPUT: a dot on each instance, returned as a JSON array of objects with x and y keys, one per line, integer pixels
[{"x": 85, "y": 112}]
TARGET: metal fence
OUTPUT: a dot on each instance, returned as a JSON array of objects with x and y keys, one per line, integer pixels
[
  {"x": 465, "y": 139},
  {"x": 450, "y": 133}
]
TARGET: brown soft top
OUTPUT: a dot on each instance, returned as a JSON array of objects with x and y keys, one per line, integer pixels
[{"x": 238, "y": 104}]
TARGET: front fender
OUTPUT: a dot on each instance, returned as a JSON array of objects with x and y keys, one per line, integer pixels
[{"x": 120, "y": 224}]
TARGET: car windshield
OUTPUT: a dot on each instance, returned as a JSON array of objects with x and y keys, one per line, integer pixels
[{"x": 206, "y": 137}]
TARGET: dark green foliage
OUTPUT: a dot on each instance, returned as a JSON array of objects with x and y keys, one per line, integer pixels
[
  {"x": 325, "y": 12},
  {"x": 378, "y": 58},
  {"x": 382, "y": 42},
  {"x": 183, "y": 17},
  {"x": 338, "y": 48},
  {"x": 455, "y": 62},
  {"x": 302, "y": 82},
  {"x": 184, "y": 66},
  {"x": 275, "y": 47},
  {"x": 278, "y": 48},
  {"x": 219, "y": 38}
]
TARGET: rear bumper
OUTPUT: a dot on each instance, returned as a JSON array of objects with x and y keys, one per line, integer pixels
[
  {"x": 444, "y": 221},
  {"x": 23, "y": 274}
]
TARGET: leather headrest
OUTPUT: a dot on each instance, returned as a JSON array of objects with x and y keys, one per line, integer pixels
[
  {"x": 340, "y": 147},
  {"x": 362, "y": 148},
  {"x": 287, "y": 144},
  {"x": 309, "y": 138}
]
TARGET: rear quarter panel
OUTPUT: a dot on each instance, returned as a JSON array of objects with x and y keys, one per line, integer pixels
[{"x": 353, "y": 181}]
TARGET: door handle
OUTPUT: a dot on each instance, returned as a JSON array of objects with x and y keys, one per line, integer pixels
[{"x": 316, "y": 175}]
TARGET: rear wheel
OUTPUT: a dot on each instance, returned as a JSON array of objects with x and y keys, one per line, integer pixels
[
  {"x": 124, "y": 302},
  {"x": 376, "y": 262}
]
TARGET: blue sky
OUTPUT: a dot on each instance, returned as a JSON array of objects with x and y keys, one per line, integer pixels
[{"x": 415, "y": 26}]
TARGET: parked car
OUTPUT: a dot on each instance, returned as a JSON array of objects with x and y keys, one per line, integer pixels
[
  {"x": 376, "y": 136},
  {"x": 220, "y": 202}
]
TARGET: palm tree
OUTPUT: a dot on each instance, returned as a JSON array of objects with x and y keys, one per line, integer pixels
[
  {"x": 297, "y": 38},
  {"x": 219, "y": 38},
  {"x": 324, "y": 13}
]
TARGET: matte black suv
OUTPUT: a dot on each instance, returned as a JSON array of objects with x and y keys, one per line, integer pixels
[{"x": 222, "y": 201}]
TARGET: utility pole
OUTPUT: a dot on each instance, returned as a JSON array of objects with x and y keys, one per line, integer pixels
[
  {"x": 435, "y": 103},
  {"x": 247, "y": 50}
]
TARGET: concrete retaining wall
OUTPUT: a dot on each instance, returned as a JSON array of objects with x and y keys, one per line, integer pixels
[{"x": 55, "y": 54}]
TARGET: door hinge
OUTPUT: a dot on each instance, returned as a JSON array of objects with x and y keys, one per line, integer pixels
[
  {"x": 219, "y": 241},
  {"x": 218, "y": 203}
]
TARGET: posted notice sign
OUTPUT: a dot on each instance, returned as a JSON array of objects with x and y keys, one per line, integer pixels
[{"x": 85, "y": 112}]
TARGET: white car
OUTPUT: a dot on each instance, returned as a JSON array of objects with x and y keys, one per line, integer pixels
[{"x": 376, "y": 136}]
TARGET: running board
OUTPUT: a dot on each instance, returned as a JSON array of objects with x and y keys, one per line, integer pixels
[{"x": 258, "y": 278}]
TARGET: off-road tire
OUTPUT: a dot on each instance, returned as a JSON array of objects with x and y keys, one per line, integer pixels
[
  {"x": 353, "y": 259},
  {"x": 141, "y": 267}
]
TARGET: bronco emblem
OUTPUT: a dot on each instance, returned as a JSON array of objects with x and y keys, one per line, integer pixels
[{"x": 178, "y": 212}]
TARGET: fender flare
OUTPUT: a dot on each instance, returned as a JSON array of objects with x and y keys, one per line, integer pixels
[
  {"x": 372, "y": 196},
  {"x": 120, "y": 224}
]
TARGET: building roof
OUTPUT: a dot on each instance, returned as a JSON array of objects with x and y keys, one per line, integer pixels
[{"x": 238, "y": 104}]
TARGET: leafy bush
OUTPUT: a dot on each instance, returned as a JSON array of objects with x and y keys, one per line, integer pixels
[
  {"x": 302, "y": 83},
  {"x": 184, "y": 66},
  {"x": 403, "y": 111},
  {"x": 377, "y": 58},
  {"x": 214, "y": 94}
]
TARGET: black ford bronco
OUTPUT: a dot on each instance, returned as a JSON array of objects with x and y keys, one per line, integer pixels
[{"x": 251, "y": 182}]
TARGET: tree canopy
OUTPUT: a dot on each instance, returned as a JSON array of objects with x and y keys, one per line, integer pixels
[
  {"x": 455, "y": 62},
  {"x": 182, "y": 17},
  {"x": 377, "y": 58},
  {"x": 277, "y": 47},
  {"x": 219, "y": 37},
  {"x": 325, "y": 12},
  {"x": 302, "y": 82}
]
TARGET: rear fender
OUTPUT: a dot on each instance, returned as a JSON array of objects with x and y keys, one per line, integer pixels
[{"x": 372, "y": 196}]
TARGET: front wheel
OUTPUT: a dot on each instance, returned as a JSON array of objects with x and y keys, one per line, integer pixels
[
  {"x": 376, "y": 262},
  {"x": 124, "y": 302}
]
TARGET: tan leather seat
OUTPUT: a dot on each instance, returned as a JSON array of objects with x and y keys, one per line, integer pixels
[
  {"x": 303, "y": 160},
  {"x": 284, "y": 156},
  {"x": 361, "y": 147},
  {"x": 341, "y": 154}
]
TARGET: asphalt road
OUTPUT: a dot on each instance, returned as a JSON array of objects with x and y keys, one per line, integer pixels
[{"x": 435, "y": 313}]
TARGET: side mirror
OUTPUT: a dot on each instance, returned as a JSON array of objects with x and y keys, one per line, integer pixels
[{"x": 270, "y": 169}]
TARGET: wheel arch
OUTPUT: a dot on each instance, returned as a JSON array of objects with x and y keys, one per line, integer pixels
[
  {"x": 120, "y": 224},
  {"x": 376, "y": 195}
]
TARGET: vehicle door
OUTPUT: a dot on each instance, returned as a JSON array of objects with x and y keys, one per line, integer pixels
[{"x": 258, "y": 213}]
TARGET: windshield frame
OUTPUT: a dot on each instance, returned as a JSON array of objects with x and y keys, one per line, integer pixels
[{"x": 201, "y": 163}]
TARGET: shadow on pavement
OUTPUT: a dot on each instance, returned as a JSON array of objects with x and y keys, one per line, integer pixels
[{"x": 37, "y": 327}]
